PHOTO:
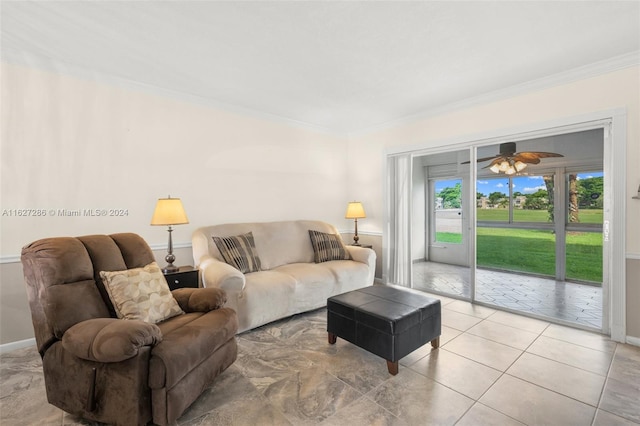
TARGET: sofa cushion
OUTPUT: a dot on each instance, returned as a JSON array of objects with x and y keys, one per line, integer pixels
[
  {"x": 327, "y": 247},
  {"x": 239, "y": 251},
  {"x": 141, "y": 294}
]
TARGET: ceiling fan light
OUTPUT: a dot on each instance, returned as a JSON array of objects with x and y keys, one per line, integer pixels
[
  {"x": 519, "y": 165},
  {"x": 495, "y": 168},
  {"x": 510, "y": 170},
  {"x": 504, "y": 166}
]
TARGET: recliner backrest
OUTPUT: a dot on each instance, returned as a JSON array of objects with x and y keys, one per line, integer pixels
[{"x": 63, "y": 279}]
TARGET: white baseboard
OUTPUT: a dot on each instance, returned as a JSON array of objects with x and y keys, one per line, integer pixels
[
  {"x": 635, "y": 341},
  {"x": 13, "y": 346}
]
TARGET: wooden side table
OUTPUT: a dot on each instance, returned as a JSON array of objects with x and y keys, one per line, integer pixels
[{"x": 185, "y": 276}]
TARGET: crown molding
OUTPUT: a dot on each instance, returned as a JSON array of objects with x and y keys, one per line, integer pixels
[
  {"x": 616, "y": 63},
  {"x": 581, "y": 73},
  {"x": 21, "y": 58}
]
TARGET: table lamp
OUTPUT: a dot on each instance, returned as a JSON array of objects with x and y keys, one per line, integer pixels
[
  {"x": 355, "y": 211},
  {"x": 168, "y": 212}
]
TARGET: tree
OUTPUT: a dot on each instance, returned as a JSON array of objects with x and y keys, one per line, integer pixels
[
  {"x": 548, "y": 183},
  {"x": 451, "y": 196},
  {"x": 590, "y": 192},
  {"x": 537, "y": 201},
  {"x": 574, "y": 208},
  {"x": 495, "y": 197}
]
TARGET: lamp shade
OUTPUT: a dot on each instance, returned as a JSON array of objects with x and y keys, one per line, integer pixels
[
  {"x": 169, "y": 211},
  {"x": 355, "y": 211}
]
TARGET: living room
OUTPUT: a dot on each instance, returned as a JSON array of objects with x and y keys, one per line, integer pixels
[{"x": 82, "y": 138}]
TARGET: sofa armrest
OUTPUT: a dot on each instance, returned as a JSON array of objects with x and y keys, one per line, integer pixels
[
  {"x": 221, "y": 275},
  {"x": 110, "y": 339},
  {"x": 362, "y": 255},
  {"x": 366, "y": 256},
  {"x": 200, "y": 299}
]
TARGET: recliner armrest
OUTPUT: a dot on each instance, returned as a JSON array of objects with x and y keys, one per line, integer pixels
[
  {"x": 200, "y": 299},
  {"x": 110, "y": 339}
]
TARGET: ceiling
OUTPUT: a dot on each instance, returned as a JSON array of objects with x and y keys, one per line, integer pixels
[{"x": 337, "y": 66}]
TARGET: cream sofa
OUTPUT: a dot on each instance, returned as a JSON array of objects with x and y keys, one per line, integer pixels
[{"x": 289, "y": 281}]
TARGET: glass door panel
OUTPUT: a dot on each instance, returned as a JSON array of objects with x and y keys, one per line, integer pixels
[
  {"x": 448, "y": 211},
  {"x": 584, "y": 227}
]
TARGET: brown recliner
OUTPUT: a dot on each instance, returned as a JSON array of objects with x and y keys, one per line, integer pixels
[{"x": 113, "y": 370}]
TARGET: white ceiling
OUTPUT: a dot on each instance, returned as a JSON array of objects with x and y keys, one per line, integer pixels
[{"x": 338, "y": 66}]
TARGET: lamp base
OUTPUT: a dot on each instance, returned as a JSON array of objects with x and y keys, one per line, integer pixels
[
  {"x": 170, "y": 258},
  {"x": 169, "y": 269}
]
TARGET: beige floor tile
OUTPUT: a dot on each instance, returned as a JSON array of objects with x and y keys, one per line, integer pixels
[
  {"x": 514, "y": 337},
  {"x": 517, "y": 321},
  {"x": 458, "y": 373},
  {"x": 626, "y": 364},
  {"x": 363, "y": 412},
  {"x": 622, "y": 399},
  {"x": 480, "y": 414},
  {"x": 562, "y": 378},
  {"x": 470, "y": 309},
  {"x": 419, "y": 400},
  {"x": 444, "y": 300},
  {"x": 447, "y": 335},
  {"x": 310, "y": 396},
  {"x": 604, "y": 418},
  {"x": 580, "y": 337},
  {"x": 534, "y": 405},
  {"x": 457, "y": 320},
  {"x": 492, "y": 354},
  {"x": 628, "y": 351},
  {"x": 568, "y": 353}
]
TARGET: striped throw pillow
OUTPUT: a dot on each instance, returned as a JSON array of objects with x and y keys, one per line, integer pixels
[
  {"x": 327, "y": 247},
  {"x": 239, "y": 251}
]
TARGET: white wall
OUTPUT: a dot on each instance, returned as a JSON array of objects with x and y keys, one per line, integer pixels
[
  {"x": 73, "y": 144},
  {"x": 619, "y": 89}
]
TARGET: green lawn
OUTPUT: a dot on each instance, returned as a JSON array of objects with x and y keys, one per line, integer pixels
[
  {"x": 533, "y": 251},
  {"x": 449, "y": 237},
  {"x": 502, "y": 215}
]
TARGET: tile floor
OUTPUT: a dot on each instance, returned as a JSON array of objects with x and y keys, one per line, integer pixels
[
  {"x": 492, "y": 368},
  {"x": 565, "y": 301}
]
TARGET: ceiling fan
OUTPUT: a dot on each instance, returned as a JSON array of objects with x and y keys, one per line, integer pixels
[{"x": 510, "y": 162}]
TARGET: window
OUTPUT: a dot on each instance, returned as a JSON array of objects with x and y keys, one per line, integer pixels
[{"x": 448, "y": 211}]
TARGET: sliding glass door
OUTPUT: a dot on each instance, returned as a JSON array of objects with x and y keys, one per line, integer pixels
[{"x": 523, "y": 237}]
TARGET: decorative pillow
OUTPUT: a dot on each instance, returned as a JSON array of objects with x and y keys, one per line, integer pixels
[
  {"x": 239, "y": 251},
  {"x": 327, "y": 247},
  {"x": 141, "y": 294}
]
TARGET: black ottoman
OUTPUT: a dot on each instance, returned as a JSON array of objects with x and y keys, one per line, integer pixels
[{"x": 388, "y": 321}]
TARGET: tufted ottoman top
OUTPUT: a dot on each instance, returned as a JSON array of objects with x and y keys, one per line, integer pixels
[{"x": 389, "y": 309}]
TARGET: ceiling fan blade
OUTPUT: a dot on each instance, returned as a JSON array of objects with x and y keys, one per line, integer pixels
[
  {"x": 530, "y": 155},
  {"x": 496, "y": 160},
  {"x": 526, "y": 157},
  {"x": 547, "y": 154}
]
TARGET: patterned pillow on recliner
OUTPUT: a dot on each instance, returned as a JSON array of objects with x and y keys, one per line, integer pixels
[
  {"x": 239, "y": 251},
  {"x": 141, "y": 294}
]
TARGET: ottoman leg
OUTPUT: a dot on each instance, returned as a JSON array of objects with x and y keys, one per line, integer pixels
[
  {"x": 392, "y": 367},
  {"x": 332, "y": 338},
  {"x": 435, "y": 343}
]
